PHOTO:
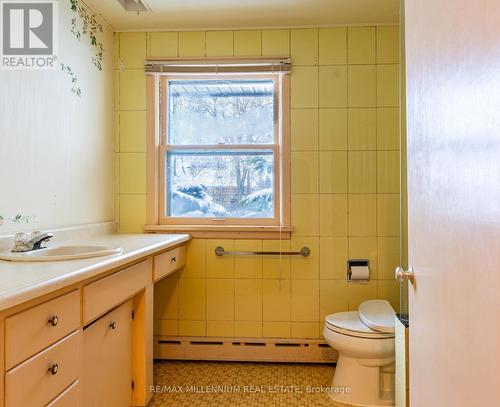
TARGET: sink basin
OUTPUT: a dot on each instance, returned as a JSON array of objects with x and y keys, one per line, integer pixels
[{"x": 61, "y": 253}]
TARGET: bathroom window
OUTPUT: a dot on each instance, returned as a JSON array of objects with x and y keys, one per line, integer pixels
[{"x": 223, "y": 154}]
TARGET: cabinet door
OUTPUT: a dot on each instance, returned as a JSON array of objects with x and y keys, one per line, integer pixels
[{"x": 107, "y": 359}]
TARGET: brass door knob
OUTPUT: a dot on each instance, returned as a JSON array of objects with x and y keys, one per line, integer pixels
[
  {"x": 112, "y": 325},
  {"x": 402, "y": 274}
]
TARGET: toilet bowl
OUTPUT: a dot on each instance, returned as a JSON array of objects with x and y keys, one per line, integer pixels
[{"x": 364, "y": 340}]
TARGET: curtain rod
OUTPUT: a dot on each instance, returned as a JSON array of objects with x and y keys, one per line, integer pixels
[{"x": 218, "y": 65}]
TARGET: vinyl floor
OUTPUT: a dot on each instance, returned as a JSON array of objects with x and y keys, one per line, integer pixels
[{"x": 241, "y": 384}]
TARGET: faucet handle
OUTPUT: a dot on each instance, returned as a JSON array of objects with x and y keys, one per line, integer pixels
[
  {"x": 20, "y": 241},
  {"x": 21, "y": 237}
]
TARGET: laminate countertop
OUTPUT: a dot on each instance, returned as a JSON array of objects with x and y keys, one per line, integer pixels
[{"x": 24, "y": 281}]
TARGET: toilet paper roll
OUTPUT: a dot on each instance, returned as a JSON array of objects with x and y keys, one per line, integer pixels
[{"x": 360, "y": 273}]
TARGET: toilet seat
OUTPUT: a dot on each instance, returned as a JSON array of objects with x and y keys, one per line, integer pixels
[
  {"x": 349, "y": 323},
  {"x": 378, "y": 315}
]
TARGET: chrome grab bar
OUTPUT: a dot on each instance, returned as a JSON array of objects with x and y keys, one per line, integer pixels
[{"x": 305, "y": 252}]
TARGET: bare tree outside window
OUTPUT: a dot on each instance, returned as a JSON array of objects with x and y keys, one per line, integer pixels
[{"x": 210, "y": 180}]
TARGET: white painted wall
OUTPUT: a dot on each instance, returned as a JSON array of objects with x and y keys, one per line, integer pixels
[{"x": 56, "y": 149}]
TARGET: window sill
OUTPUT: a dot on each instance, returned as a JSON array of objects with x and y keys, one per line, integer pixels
[{"x": 225, "y": 232}]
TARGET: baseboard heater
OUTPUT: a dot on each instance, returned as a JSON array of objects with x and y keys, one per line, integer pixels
[{"x": 243, "y": 349}]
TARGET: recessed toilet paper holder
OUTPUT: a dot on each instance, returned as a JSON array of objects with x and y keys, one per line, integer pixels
[{"x": 357, "y": 263}]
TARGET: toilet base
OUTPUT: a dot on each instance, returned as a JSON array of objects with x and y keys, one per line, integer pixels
[{"x": 359, "y": 384}]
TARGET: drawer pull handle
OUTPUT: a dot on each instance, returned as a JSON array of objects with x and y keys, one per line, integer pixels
[
  {"x": 173, "y": 260},
  {"x": 112, "y": 325},
  {"x": 54, "y": 369},
  {"x": 54, "y": 320}
]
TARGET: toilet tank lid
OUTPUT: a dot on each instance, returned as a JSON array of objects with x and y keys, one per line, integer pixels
[{"x": 378, "y": 315}]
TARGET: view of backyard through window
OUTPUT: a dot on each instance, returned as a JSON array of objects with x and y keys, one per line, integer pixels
[{"x": 220, "y": 157}]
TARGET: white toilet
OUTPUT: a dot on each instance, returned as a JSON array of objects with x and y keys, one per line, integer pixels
[{"x": 364, "y": 339}]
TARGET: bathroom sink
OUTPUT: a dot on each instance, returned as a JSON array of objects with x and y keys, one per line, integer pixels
[{"x": 61, "y": 253}]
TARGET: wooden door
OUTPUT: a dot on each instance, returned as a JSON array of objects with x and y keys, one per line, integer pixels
[
  {"x": 107, "y": 359},
  {"x": 453, "y": 130}
]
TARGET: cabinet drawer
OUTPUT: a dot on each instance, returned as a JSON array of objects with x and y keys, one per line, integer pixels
[
  {"x": 104, "y": 294},
  {"x": 32, "y": 330},
  {"x": 68, "y": 398},
  {"x": 166, "y": 263},
  {"x": 41, "y": 378}
]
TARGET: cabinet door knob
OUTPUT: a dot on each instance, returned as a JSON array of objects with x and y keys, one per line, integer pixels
[
  {"x": 54, "y": 369},
  {"x": 112, "y": 325},
  {"x": 173, "y": 260},
  {"x": 54, "y": 320}
]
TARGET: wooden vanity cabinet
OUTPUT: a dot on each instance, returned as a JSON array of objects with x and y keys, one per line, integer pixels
[
  {"x": 69, "y": 397},
  {"x": 41, "y": 351},
  {"x": 43, "y": 377},
  {"x": 34, "y": 329},
  {"x": 89, "y": 344},
  {"x": 104, "y": 294},
  {"x": 107, "y": 359},
  {"x": 168, "y": 262}
]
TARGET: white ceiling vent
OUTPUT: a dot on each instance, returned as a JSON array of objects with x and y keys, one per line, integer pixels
[{"x": 134, "y": 5}]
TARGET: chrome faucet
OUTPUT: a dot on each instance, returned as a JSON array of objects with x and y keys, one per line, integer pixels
[{"x": 24, "y": 242}]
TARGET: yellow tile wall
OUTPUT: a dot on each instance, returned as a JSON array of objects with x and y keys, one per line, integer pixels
[{"x": 345, "y": 182}]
